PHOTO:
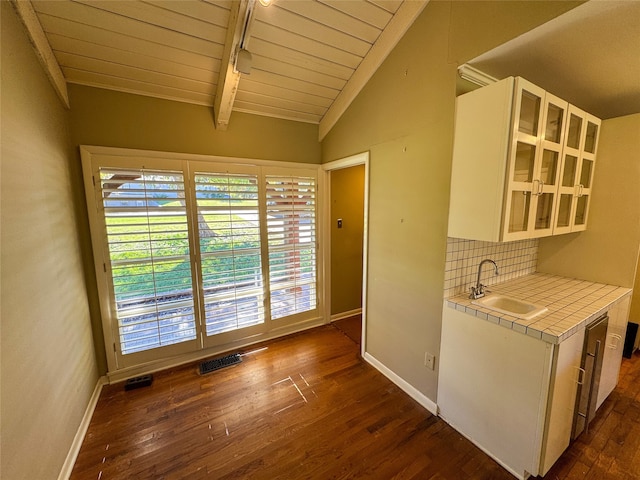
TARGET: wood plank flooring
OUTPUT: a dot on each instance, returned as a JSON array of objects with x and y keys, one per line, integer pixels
[
  {"x": 351, "y": 327},
  {"x": 308, "y": 407},
  {"x": 611, "y": 449}
]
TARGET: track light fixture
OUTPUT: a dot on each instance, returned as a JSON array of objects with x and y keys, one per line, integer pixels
[{"x": 243, "y": 61}]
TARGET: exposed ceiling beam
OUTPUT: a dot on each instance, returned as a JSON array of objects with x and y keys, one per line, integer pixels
[
  {"x": 239, "y": 19},
  {"x": 27, "y": 15},
  {"x": 388, "y": 39}
]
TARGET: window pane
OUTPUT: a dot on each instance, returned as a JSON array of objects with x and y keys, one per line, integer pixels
[
  {"x": 291, "y": 227},
  {"x": 229, "y": 232},
  {"x": 147, "y": 237}
]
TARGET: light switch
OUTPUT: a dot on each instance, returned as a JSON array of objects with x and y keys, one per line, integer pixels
[{"x": 339, "y": 223}]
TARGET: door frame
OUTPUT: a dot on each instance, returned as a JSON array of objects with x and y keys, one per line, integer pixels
[{"x": 351, "y": 161}]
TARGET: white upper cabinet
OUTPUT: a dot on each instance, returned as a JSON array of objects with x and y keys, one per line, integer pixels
[
  {"x": 508, "y": 160},
  {"x": 576, "y": 177}
]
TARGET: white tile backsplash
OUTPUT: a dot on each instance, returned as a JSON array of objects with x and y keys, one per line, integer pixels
[{"x": 514, "y": 259}]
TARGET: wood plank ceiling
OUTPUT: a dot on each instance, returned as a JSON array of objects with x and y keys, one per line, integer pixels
[{"x": 310, "y": 58}]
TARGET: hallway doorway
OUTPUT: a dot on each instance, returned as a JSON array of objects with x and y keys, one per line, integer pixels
[{"x": 346, "y": 231}]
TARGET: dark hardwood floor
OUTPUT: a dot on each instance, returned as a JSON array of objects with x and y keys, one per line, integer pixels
[
  {"x": 351, "y": 327},
  {"x": 611, "y": 449},
  {"x": 308, "y": 407}
]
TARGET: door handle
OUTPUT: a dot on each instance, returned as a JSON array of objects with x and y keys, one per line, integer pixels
[{"x": 596, "y": 356}]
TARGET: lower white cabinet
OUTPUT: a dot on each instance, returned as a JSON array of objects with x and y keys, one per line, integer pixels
[
  {"x": 511, "y": 394},
  {"x": 612, "y": 356}
]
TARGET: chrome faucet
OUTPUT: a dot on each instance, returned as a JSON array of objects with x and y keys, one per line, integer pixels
[{"x": 478, "y": 290}]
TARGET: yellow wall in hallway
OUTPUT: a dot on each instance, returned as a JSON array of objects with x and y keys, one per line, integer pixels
[{"x": 347, "y": 203}]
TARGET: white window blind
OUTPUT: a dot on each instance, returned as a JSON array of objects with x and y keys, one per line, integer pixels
[
  {"x": 196, "y": 254},
  {"x": 229, "y": 238},
  {"x": 291, "y": 231},
  {"x": 147, "y": 237}
]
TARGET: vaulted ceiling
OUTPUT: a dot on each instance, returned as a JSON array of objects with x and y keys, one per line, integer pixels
[{"x": 309, "y": 58}]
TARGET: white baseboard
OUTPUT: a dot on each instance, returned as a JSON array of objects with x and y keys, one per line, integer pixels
[
  {"x": 350, "y": 313},
  {"x": 70, "y": 461},
  {"x": 402, "y": 384}
]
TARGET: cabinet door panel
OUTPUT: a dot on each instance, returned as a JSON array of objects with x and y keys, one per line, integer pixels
[
  {"x": 549, "y": 167},
  {"x": 564, "y": 385},
  {"x": 591, "y": 139},
  {"x": 524, "y": 163},
  {"x": 544, "y": 211},
  {"x": 582, "y": 206},
  {"x": 612, "y": 357},
  {"x": 554, "y": 123},
  {"x": 563, "y": 217},
  {"x": 576, "y": 172},
  {"x": 524, "y": 186},
  {"x": 586, "y": 172},
  {"x": 574, "y": 132},
  {"x": 519, "y": 211},
  {"x": 569, "y": 171},
  {"x": 529, "y": 116}
]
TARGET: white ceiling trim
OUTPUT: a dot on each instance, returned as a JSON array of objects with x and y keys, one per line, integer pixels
[
  {"x": 28, "y": 16},
  {"x": 388, "y": 39}
]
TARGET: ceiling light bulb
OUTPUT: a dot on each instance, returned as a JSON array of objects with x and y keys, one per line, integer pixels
[{"x": 265, "y": 3}]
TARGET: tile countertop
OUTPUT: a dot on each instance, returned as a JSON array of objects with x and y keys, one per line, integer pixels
[{"x": 572, "y": 304}]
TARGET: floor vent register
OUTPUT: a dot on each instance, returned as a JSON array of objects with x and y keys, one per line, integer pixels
[{"x": 212, "y": 365}]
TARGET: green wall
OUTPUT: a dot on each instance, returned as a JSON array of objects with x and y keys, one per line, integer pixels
[
  {"x": 404, "y": 116},
  {"x": 115, "y": 119},
  {"x": 48, "y": 363}
]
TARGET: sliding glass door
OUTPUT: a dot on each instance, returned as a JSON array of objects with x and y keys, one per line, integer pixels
[{"x": 200, "y": 254}]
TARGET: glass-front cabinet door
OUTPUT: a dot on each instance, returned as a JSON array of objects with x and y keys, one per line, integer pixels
[
  {"x": 587, "y": 166},
  {"x": 534, "y": 163},
  {"x": 548, "y": 166},
  {"x": 525, "y": 140},
  {"x": 576, "y": 173}
]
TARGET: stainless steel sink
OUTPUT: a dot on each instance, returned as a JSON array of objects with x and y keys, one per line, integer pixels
[{"x": 510, "y": 306}]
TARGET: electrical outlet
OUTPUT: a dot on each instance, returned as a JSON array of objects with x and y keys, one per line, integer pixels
[{"x": 429, "y": 360}]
